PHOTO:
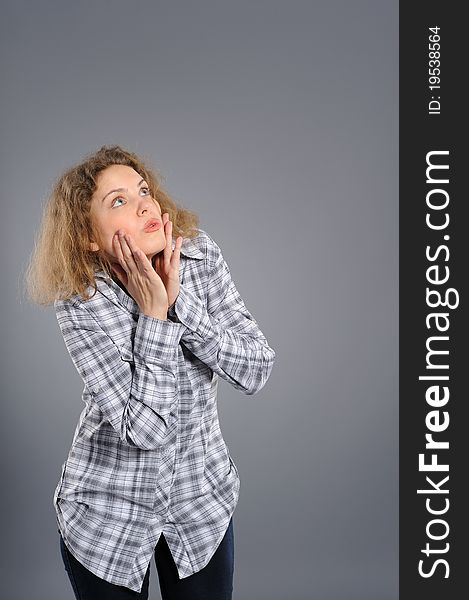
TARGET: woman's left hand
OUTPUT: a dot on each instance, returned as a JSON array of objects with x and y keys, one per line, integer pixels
[{"x": 166, "y": 262}]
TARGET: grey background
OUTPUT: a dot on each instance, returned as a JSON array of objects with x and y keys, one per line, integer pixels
[{"x": 278, "y": 123}]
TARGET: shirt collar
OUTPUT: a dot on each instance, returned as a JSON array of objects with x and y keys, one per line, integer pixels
[{"x": 188, "y": 249}]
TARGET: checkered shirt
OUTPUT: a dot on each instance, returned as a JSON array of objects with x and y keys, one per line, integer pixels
[{"x": 148, "y": 456}]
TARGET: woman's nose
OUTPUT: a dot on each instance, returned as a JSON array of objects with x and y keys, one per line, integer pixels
[{"x": 143, "y": 205}]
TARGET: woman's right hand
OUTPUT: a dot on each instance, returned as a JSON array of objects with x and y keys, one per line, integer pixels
[{"x": 139, "y": 277}]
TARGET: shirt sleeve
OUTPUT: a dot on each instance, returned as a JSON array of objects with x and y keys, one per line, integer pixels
[
  {"x": 139, "y": 398},
  {"x": 223, "y": 334}
]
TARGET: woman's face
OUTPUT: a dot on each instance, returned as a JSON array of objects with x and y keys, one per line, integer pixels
[{"x": 122, "y": 201}]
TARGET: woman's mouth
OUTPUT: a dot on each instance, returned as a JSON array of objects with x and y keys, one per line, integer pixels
[{"x": 152, "y": 225}]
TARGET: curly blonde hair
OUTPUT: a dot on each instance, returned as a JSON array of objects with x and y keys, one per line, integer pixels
[{"x": 62, "y": 263}]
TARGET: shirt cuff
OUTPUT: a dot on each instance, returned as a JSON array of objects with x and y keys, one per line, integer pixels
[
  {"x": 156, "y": 340},
  {"x": 190, "y": 310}
]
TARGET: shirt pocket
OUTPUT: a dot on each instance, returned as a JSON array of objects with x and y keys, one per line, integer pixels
[
  {"x": 198, "y": 371},
  {"x": 126, "y": 352}
]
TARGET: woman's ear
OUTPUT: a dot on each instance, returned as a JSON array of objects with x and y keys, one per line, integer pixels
[{"x": 92, "y": 236}]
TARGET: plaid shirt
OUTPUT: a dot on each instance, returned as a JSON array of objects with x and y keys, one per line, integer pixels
[{"x": 147, "y": 455}]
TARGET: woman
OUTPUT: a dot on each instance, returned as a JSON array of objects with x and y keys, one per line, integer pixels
[{"x": 150, "y": 323}]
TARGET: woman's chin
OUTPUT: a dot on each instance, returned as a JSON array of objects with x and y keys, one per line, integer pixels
[{"x": 151, "y": 255}]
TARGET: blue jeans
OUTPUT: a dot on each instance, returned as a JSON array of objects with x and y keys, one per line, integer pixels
[{"x": 214, "y": 581}]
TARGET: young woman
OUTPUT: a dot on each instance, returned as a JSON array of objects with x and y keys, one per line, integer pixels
[{"x": 151, "y": 318}]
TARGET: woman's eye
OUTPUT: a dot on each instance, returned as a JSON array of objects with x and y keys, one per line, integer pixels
[
  {"x": 115, "y": 200},
  {"x": 147, "y": 192}
]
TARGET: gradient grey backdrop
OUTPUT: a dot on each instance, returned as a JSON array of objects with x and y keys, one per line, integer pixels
[{"x": 278, "y": 123}]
